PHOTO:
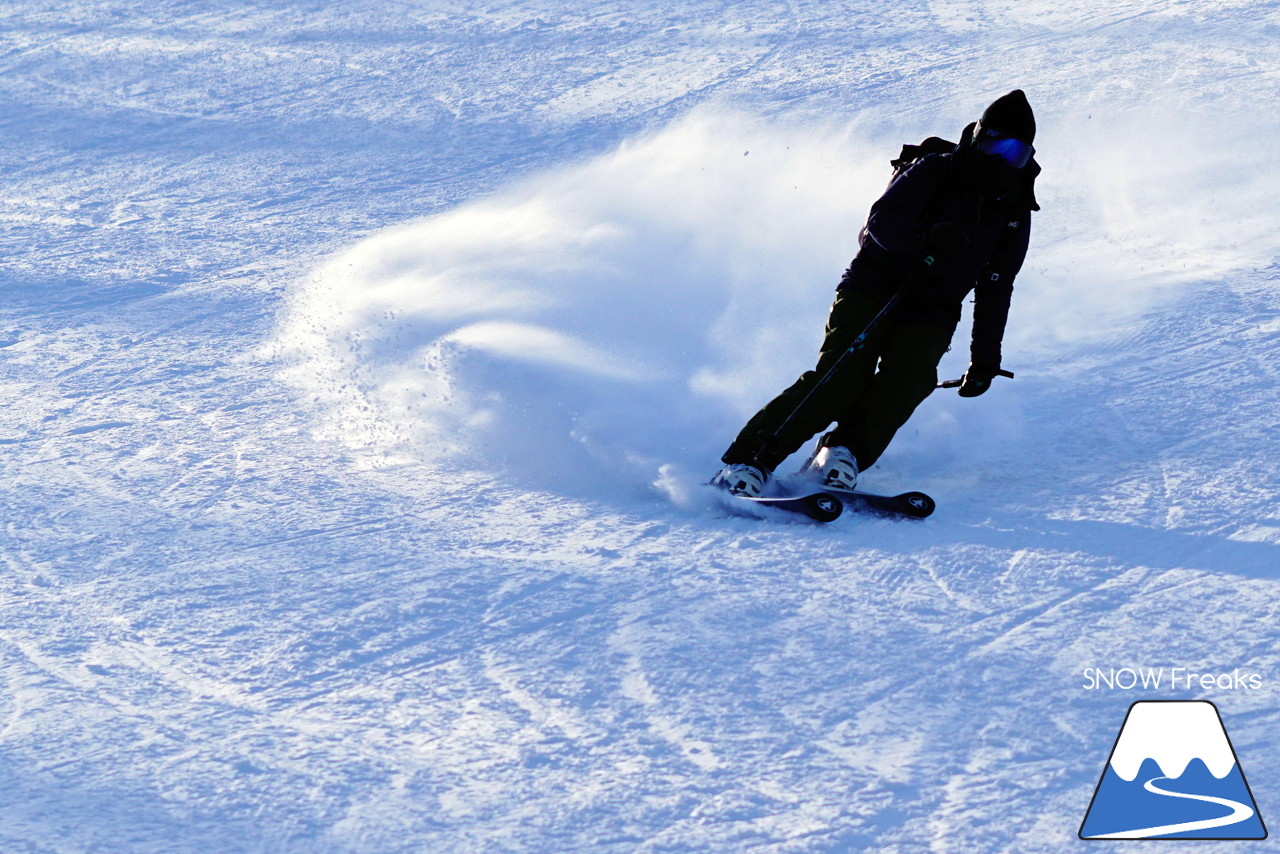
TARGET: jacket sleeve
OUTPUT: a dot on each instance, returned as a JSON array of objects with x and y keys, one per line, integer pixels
[
  {"x": 899, "y": 218},
  {"x": 993, "y": 292}
]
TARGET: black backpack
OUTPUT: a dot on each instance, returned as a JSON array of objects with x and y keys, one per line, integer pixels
[{"x": 911, "y": 153}]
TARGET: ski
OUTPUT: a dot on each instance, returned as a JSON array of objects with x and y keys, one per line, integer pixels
[
  {"x": 818, "y": 506},
  {"x": 823, "y": 503},
  {"x": 916, "y": 505}
]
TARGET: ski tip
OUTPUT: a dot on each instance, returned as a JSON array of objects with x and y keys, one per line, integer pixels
[
  {"x": 825, "y": 507},
  {"x": 916, "y": 504}
]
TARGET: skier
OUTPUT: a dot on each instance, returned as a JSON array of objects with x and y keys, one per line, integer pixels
[{"x": 951, "y": 223}]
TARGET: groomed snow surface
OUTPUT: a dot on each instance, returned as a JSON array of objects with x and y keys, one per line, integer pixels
[{"x": 361, "y": 364}]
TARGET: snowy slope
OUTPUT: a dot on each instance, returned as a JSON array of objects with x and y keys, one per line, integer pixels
[{"x": 325, "y": 329}]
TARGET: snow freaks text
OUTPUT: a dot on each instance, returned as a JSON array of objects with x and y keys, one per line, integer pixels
[{"x": 1171, "y": 678}]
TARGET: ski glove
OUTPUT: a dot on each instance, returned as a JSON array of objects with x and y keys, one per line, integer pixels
[
  {"x": 977, "y": 380},
  {"x": 946, "y": 239}
]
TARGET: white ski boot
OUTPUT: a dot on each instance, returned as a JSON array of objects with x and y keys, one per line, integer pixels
[
  {"x": 837, "y": 467},
  {"x": 741, "y": 479}
]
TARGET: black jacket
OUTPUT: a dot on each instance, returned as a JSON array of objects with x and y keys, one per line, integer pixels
[{"x": 941, "y": 188}]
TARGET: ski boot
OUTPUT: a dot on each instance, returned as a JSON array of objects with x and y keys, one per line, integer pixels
[
  {"x": 836, "y": 466},
  {"x": 741, "y": 479}
]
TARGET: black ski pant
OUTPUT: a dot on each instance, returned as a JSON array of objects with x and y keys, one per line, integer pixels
[{"x": 869, "y": 396}]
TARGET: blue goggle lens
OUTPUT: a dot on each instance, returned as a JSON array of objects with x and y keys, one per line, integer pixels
[{"x": 1015, "y": 152}]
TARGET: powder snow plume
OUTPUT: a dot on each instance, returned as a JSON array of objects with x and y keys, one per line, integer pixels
[{"x": 628, "y": 312}]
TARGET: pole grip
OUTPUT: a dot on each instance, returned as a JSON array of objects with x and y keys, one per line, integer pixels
[{"x": 956, "y": 383}]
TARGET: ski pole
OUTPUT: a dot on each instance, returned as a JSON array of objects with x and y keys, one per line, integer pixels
[
  {"x": 956, "y": 383},
  {"x": 857, "y": 344}
]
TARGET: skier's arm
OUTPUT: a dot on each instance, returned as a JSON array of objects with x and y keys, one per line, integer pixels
[
  {"x": 898, "y": 220},
  {"x": 993, "y": 292}
]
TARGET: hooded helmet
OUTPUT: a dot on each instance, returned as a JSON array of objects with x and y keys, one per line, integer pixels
[
  {"x": 1000, "y": 145},
  {"x": 1011, "y": 115}
]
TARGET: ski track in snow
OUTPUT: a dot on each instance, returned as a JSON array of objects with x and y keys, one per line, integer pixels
[{"x": 221, "y": 632}]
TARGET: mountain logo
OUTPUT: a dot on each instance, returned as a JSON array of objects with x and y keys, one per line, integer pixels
[{"x": 1173, "y": 774}]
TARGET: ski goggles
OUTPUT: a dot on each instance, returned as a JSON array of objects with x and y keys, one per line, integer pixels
[{"x": 1015, "y": 152}]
